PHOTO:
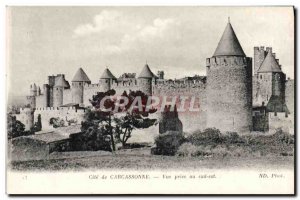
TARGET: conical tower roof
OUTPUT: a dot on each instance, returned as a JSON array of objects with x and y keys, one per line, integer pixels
[
  {"x": 107, "y": 75},
  {"x": 81, "y": 76},
  {"x": 146, "y": 72},
  {"x": 60, "y": 82},
  {"x": 229, "y": 44},
  {"x": 269, "y": 64}
]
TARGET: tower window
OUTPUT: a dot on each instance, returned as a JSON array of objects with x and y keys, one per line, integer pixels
[{"x": 260, "y": 76}]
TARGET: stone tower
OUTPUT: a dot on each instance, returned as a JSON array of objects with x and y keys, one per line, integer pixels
[
  {"x": 78, "y": 82},
  {"x": 270, "y": 79},
  {"x": 33, "y": 90},
  {"x": 46, "y": 97},
  {"x": 145, "y": 80},
  {"x": 58, "y": 92},
  {"x": 26, "y": 117},
  {"x": 259, "y": 56},
  {"x": 31, "y": 99},
  {"x": 107, "y": 79},
  {"x": 229, "y": 86}
]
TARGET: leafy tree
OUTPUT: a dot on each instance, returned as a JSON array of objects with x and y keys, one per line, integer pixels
[
  {"x": 38, "y": 124},
  {"x": 116, "y": 118},
  {"x": 15, "y": 128},
  {"x": 56, "y": 122},
  {"x": 135, "y": 117}
]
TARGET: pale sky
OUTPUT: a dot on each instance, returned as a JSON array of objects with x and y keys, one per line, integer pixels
[{"x": 54, "y": 40}]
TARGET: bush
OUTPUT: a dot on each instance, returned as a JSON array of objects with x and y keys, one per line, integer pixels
[
  {"x": 190, "y": 150},
  {"x": 57, "y": 122},
  {"x": 93, "y": 139},
  {"x": 208, "y": 136},
  {"x": 232, "y": 138},
  {"x": 168, "y": 143},
  {"x": 282, "y": 137}
]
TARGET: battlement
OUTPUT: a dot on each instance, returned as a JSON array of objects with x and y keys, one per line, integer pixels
[
  {"x": 25, "y": 110},
  {"x": 91, "y": 86},
  {"x": 60, "y": 109},
  {"x": 225, "y": 61},
  {"x": 261, "y": 48},
  {"x": 125, "y": 83},
  {"x": 128, "y": 76},
  {"x": 181, "y": 83}
]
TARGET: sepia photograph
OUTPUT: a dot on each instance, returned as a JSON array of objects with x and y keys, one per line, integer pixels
[{"x": 150, "y": 100}]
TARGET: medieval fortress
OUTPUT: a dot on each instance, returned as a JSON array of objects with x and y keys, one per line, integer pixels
[{"x": 237, "y": 94}]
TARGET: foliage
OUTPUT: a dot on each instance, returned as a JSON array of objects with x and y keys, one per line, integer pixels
[
  {"x": 92, "y": 139},
  {"x": 168, "y": 143},
  {"x": 56, "y": 122},
  {"x": 208, "y": 136},
  {"x": 211, "y": 142},
  {"x": 15, "y": 128},
  {"x": 38, "y": 125},
  {"x": 116, "y": 118}
]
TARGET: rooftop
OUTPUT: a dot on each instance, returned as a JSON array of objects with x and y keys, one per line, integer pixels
[
  {"x": 229, "y": 44},
  {"x": 269, "y": 64},
  {"x": 81, "y": 76},
  {"x": 146, "y": 72},
  {"x": 107, "y": 74}
]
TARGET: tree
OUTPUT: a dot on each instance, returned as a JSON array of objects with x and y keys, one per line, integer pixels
[
  {"x": 38, "y": 124},
  {"x": 56, "y": 122},
  {"x": 15, "y": 128},
  {"x": 135, "y": 117},
  {"x": 118, "y": 117}
]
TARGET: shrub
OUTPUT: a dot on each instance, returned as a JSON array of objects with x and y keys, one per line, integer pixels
[
  {"x": 168, "y": 143},
  {"x": 92, "y": 139},
  {"x": 56, "y": 122},
  {"x": 282, "y": 137},
  {"x": 208, "y": 136},
  {"x": 190, "y": 150},
  {"x": 220, "y": 151},
  {"x": 232, "y": 138}
]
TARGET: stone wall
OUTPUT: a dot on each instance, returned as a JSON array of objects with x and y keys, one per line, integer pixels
[
  {"x": 191, "y": 120},
  {"x": 281, "y": 120},
  {"x": 65, "y": 113},
  {"x": 26, "y": 117},
  {"x": 229, "y": 93},
  {"x": 290, "y": 95},
  {"x": 67, "y": 96}
]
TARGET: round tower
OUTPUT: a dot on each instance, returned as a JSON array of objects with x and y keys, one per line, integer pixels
[
  {"x": 33, "y": 90},
  {"x": 58, "y": 92},
  {"x": 78, "y": 82},
  {"x": 145, "y": 80},
  {"x": 106, "y": 80},
  {"x": 46, "y": 97},
  {"x": 229, "y": 86},
  {"x": 26, "y": 117}
]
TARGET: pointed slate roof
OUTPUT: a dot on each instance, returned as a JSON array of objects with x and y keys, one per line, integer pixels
[
  {"x": 146, "y": 72},
  {"x": 229, "y": 44},
  {"x": 269, "y": 64},
  {"x": 107, "y": 75},
  {"x": 60, "y": 82},
  {"x": 81, "y": 76}
]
